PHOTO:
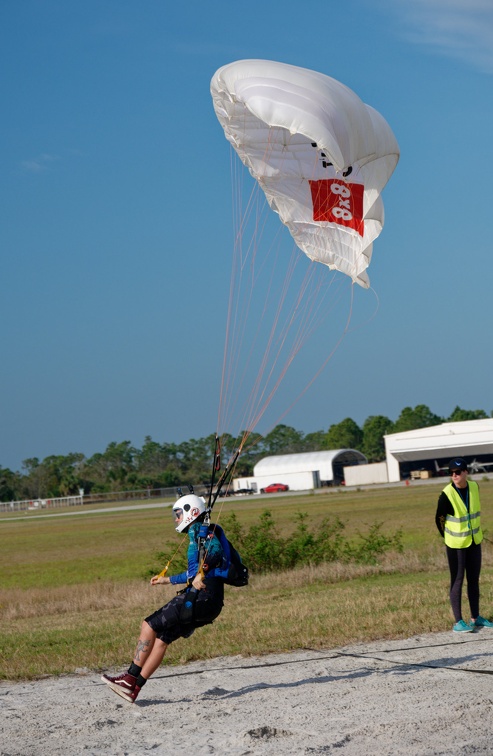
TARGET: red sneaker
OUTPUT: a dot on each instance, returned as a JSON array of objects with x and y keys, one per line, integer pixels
[{"x": 124, "y": 685}]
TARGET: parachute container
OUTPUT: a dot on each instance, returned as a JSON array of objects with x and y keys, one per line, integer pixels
[{"x": 321, "y": 156}]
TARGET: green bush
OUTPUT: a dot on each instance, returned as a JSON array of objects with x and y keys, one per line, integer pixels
[{"x": 264, "y": 550}]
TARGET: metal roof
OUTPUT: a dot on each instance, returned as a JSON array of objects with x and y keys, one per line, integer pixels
[
  {"x": 466, "y": 438},
  {"x": 321, "y": 461}
]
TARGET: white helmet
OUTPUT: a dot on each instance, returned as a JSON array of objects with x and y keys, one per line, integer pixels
[{"x": 186, "y": 510}]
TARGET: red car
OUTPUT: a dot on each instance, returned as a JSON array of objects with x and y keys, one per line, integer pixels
[{"x": 274, "y": 488}]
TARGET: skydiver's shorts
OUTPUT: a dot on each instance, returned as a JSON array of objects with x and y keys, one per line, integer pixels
[{"x": 166, "y": 621}]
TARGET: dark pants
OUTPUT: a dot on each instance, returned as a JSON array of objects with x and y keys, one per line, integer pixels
[
  {"x": 464, "y": 562},
  {"x": 167, "y": 623}
]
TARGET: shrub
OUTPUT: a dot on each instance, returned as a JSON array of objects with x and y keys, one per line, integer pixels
[{"x": 264, "y": 550}]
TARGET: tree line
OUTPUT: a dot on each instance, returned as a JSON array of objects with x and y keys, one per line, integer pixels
[{"x": 124, "y": 467}]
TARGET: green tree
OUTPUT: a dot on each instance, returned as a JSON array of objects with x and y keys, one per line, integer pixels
[
  {"x": 114, "y": 470},
  {"x": 344, "y": 435},
  {"x": 11, "y": 485},
  {"x": 154, "y": 458},
  {"x": 62, "y": 474},
  {"x": 283, "y": 439},
  {"x": 122, "y": 466},
  {"x": 419, "y": 417},
  {"x": 375, "y": 428},
  {"x": 151, "y": 459},
  {"x": 157, "y": 465},
  {"x": 34, "y": 478},
  {"x": 196, "y": 458},
  {"x": 458, "y": 415},
  {"x": 314, "y": 441}
]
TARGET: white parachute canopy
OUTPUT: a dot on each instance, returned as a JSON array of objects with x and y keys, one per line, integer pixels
[{"x": 320, "y": 154}]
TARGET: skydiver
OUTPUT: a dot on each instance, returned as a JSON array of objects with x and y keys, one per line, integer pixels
[{"x": 171, "y": 621}]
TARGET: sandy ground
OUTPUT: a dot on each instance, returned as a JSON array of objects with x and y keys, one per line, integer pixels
[{"x": 431, "y": 694}]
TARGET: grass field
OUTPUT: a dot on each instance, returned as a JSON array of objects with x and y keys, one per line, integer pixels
[{"x": 74, "y": 589}]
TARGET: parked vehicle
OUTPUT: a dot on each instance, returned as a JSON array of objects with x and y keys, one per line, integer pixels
[
  {"x": 222, "y": 492},
  {"x": 275, "y": 488},
  {"x": 244, "y": 492}
]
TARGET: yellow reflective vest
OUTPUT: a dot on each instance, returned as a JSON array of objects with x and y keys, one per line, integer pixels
[{"x": 463, "y": 526}]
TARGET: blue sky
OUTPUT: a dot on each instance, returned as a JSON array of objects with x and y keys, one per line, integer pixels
[{"x": 116, "y": 222}]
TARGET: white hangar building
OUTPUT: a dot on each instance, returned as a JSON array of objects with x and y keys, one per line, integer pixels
[
  {"x": 303, "y": 471},
  {"x": 433, "y": 447}
]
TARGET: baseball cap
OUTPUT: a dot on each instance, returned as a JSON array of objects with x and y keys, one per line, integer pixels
[{"x": 458, "y": 463}]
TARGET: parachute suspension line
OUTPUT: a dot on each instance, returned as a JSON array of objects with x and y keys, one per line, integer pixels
[
  {"x": 226, "y": 364},
  {"x": 264, "y": 400},
  {"x": 253, "y": 345},
  {"x": 168, "y": 563},
  {"x": 204, "y": 529},
  {"x": 290, "y": 327},
  {"x": 310, "y": 319},
  {"x": 323, "y": 365},
  {"x": 299, "y": 324},
  {"x": 258, "y": 392},
  {"x": 303, "y": 391},
  {"x": 306, "y": 313},
  {"x": 244, "y": 312},
  {"x": 236, "y": 321},
  {"x": 373, "y": 315},
  {"x": 239, "y": 219},
  {"x": 238, "y": 318},
  {"x": 238, "y": 307},
  {"x": 228, "y": 471},
  {"x": 216, "y": 466}
]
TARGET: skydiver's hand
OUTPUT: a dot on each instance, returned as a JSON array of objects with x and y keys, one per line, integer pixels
[
  {"x": 157, "y": 580},
  {"x": 198, "y": 582}
]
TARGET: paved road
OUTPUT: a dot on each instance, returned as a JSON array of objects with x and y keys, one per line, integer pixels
[{"x": 30, "y": 514}]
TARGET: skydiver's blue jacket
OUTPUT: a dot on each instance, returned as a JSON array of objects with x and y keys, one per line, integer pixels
[{"x": 214, "y": 557}]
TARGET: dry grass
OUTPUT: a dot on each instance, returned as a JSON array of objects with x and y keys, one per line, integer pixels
[
  {"x": 56, "y": 602},
  {"x": 102, "y": 596},
  {"x": 70, "y": 598},
  {"x": 96, "y": 626}
]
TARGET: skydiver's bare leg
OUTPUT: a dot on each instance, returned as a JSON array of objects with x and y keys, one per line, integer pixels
[
  {"x": 145, "y": 644},
  {"x": 149, "y": 652},
  {"x": 154, "y": 659}
]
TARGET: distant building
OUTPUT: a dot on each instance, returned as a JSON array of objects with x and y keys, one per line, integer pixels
[
  {"x": 303, "y": 471},
  {"x": 420, "y": 453},
  {"x": 430, "y": 449}
]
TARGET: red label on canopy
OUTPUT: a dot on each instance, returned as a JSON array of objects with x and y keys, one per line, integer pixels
[{"x": 337, "y": 202}]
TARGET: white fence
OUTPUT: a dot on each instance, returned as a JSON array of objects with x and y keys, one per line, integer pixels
[{"x": 85, "y": 499}]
